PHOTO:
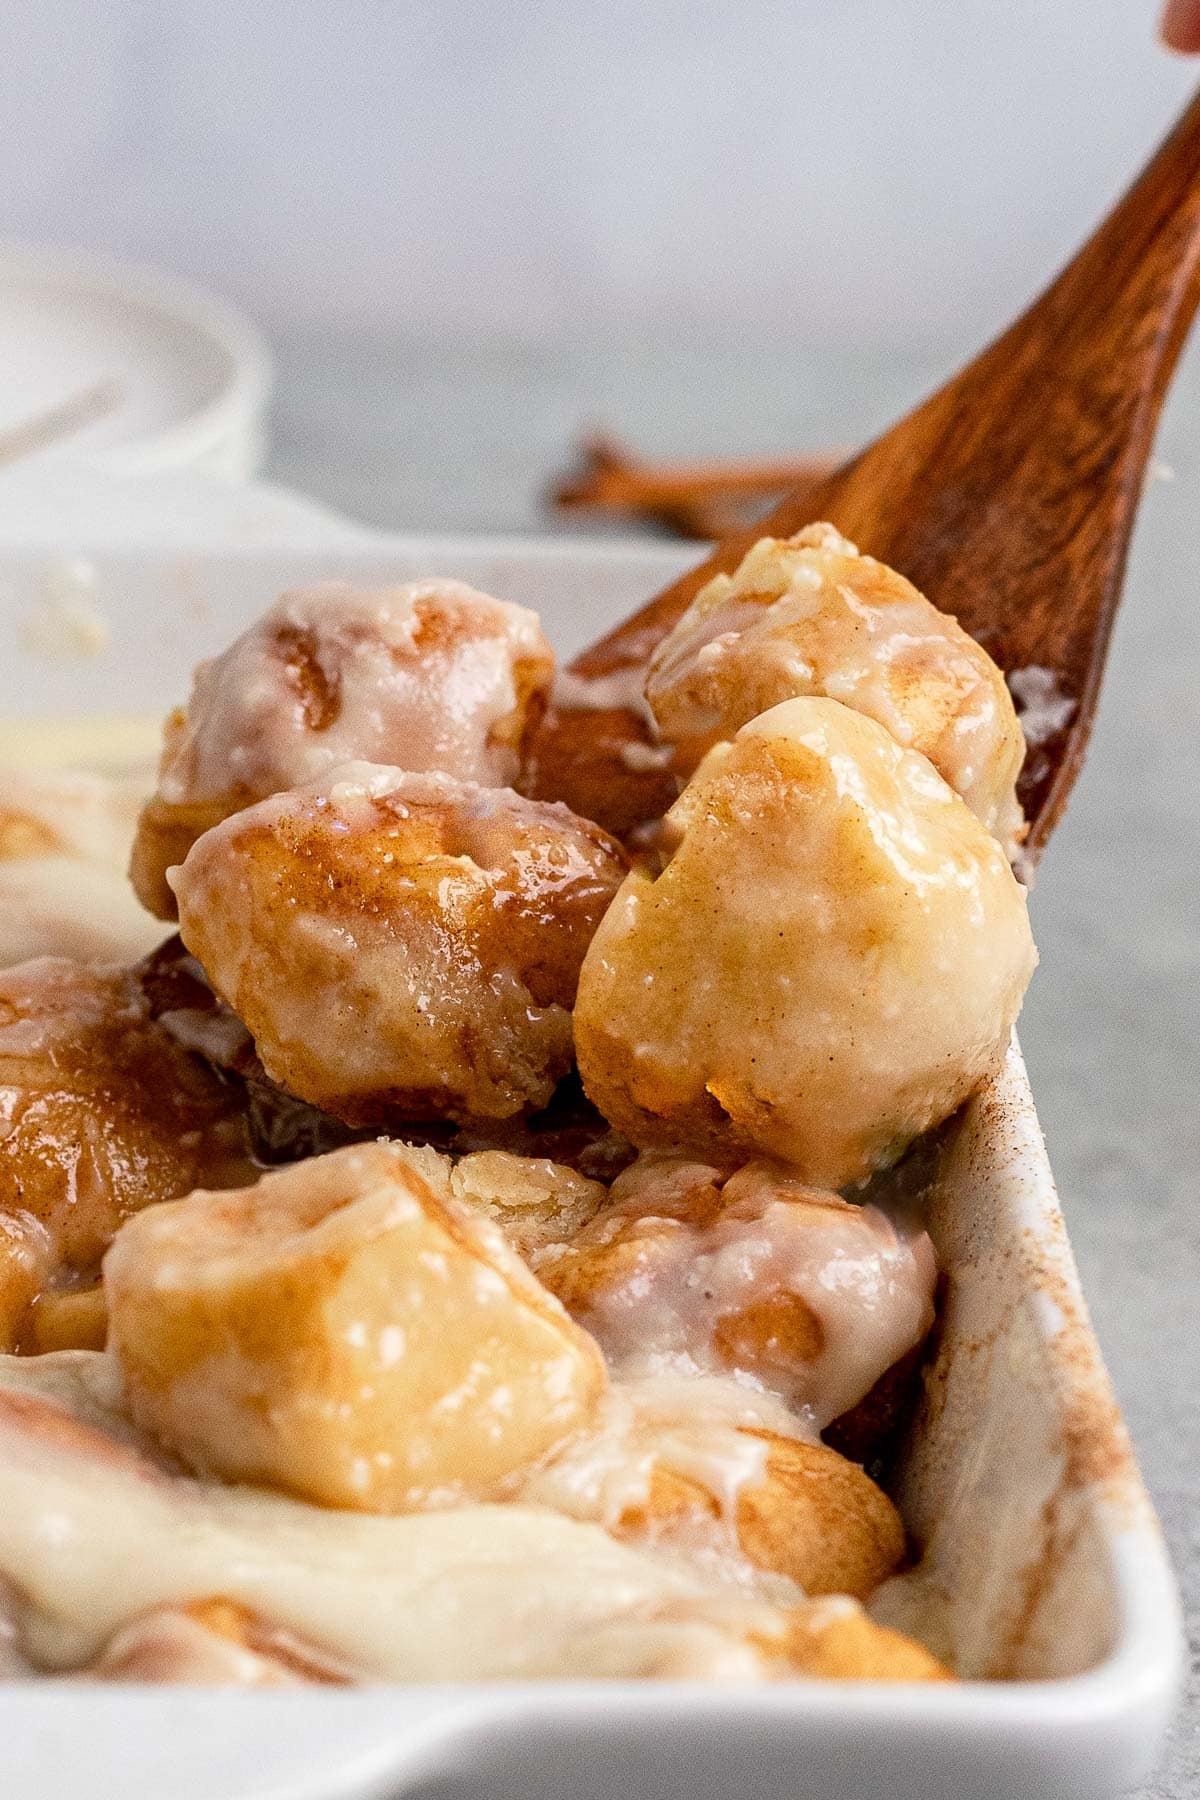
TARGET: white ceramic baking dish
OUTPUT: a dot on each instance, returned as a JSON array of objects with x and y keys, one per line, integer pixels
[
  {"x": 186, "y": 378},
  {"x": 1046, "y": 1578}
]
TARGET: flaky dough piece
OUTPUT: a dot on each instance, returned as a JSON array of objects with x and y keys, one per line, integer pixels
[
  {"x": 810, "y": 615},
  {"x": 829, "y": 963},
  {"x": 535, "y": 1202},
  {"x": 345, "y": 1331},
  {"x": 401, "y": 944},
  {"x": 103, "y": 1113},
  {"x": 430, "y": 675}
]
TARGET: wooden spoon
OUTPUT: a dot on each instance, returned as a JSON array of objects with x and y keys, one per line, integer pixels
[{"x": 1008, "y": 497}]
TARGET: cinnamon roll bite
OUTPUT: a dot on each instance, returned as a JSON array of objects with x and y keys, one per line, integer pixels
[
  {"x": 401, "y": 944},
  {"x": 811, "y": 615},
  {"x": 427, "y": 675},
  {"x": 827, "y": 963}
]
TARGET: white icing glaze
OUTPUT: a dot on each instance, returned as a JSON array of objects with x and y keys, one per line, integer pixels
[
  {"x": 60, "y": 906},
  {"x": 1044, "y": 708},
  {"x": 212, "y": 1032},
  {"x": 64, "y": 848},
  {"x": 644, "y": 758},
  {"x": 698, "y": 1426},
  {"x": 622, "y": 689},
  {"x": 428, "y": 675},
  {"x": 673, "y": 1306},
  {"x": 96, "y": 1534}
]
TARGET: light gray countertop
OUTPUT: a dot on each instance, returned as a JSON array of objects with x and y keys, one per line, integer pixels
[{"x": 466, "y": 438}]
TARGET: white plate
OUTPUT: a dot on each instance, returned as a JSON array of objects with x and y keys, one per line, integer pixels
[
  {"x": 1018, "y": 1478},
  {"x": 186, "y": 378}
]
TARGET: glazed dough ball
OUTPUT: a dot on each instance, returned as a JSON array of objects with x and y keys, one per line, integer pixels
[
  {"x": 344, "y": 1331},
  {"x": 829, "y": 963},
  {"x": 723, "y": 1474},
  {"x": 102, "y": 1113},
  {"x": 691, "y": 1270},
  {"x": 431, "y": 675},
  {"x": 807, "y": 1514},
  {"x": 401, "y": 944},
  {"x": 809, "y": 615}
]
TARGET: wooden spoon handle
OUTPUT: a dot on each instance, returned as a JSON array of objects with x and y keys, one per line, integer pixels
[
  {"x": 1088, "y": 364},
  {"x": 1008, "y": 497},
  {"x": 1001, "y": 470}
]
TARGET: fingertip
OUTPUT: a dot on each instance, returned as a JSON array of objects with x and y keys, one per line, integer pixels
[{"x": 1179, "y": 26}]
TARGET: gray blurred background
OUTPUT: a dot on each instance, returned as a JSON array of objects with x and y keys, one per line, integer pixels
[
  {"x": 658, "y": 214},
  {"x": 471, "y": 229},
  {"x": 890, "y": 172}
]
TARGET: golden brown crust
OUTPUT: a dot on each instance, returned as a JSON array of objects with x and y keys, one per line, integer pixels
[
  {"x": 24, "y": 834},
  {"x": 165, "y": 834},
  {"x": 533, "y": 1201},
  {"x": 830, "y": 1642},
  {"x": 811, "y": 1516},
  {"x": 820, "y": 1520},
  {"x": 581, "y": 1271},
  {"x": 72, "y": 1320},
  {"x": 780, "y": 1330},
  {"x": 583, "y": 759},
  {"x": 26, "y": 1260}
]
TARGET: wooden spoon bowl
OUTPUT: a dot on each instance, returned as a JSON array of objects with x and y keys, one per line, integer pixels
[{"x": 1008, "y": 497}]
